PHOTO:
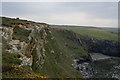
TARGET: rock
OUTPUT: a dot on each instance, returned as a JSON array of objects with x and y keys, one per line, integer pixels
[
  {"x": 52, "y": 51},
  {"x": 95, "y": 45},
  {"x": 52, "y": 38},
  {"x": 83, "y": 66},
  {"x": 50, "y": 32},
  {"x": 35, "y": 42}
]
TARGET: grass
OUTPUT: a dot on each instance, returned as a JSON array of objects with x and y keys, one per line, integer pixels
[
  {"x": 9, "y": 21},
  {"x": 72, "y": 47},
  {"x": 58, "y": 64},
  {"x": 14, "y": 71},
  {"x": 104, "y": 67},
  {"x": 20, "y": 34},
  {"x": 10, "y": 68},
  {"x": 10, "y": 58},
  {"x": 97, "y": 33}
]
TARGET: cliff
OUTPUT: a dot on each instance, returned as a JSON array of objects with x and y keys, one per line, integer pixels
[
  {"x": 32, "y": 46},
  {"x": 37, "y": 49},
  {"x": 25, "y": 39}
]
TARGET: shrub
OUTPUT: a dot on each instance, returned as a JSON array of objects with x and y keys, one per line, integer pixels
[
  {"x": 10, "y": 58},
  {"x": 20, "y": 34},
  {"x": 7, "y": 67}
]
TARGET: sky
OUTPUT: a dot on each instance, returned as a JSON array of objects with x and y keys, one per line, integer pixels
[{"x": 100, "y": 14}]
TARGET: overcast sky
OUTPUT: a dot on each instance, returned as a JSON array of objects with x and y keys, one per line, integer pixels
[{"x": 101, "y": 14}]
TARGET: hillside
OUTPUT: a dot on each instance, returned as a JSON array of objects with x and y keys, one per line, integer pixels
[
  {"x": 44, "y": 46},
  {"x": 37, "y": 50},
  {"x": 96, "y": 32}
]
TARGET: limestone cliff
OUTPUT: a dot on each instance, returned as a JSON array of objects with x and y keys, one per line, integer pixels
[
  {"x": 24, "y": 40},
  {"x": 38, "y": 49}
]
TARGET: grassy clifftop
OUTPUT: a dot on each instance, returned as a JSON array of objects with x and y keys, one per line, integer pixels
[{"x": 97, "y": 33}]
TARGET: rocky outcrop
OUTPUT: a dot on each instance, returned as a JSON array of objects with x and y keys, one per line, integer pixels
[
  {"x": 26, "y": 40},
  {"x": 106, "y": 47},
  {"x": 94, "y": 45},
  {"x": 84, "y": 67}
]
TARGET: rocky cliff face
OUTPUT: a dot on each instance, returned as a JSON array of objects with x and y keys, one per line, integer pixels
[
  {"x": 96, "y": 64},
  {"x": 94, "y": 45},
  {"x": 38, "y": 49},
  {"x": 106, "y": 47},
  {"x": 28, "y": 41}
]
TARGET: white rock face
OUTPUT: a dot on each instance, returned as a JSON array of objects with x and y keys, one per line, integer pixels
[
  {"x": 26, "y": 61},
  {"x": 26, "y": 48},
  {"x": 52, "y": 51},
  {"x": 14, "y": 42}
]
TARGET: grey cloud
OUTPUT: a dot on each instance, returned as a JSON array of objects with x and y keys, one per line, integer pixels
[
  {"x": 44, "y": 10},
  {"x": 100, "y": 9}
]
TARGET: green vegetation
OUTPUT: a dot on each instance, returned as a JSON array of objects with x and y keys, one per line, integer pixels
[
  {"x": 9, "y": 21},
  {"x": 10, "y": 58},
  {"x": 68, "y": 45},
  {"x": 20, "y": 34},
  {"x": 59, "y": 63},
  {"x": 35, "y": 57},
  {"x": 14, "y": 71},
  {"x": 97, "y": 33},
  {"x": 11, "y": 69},
  {"x": 105, "y": 68}
]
